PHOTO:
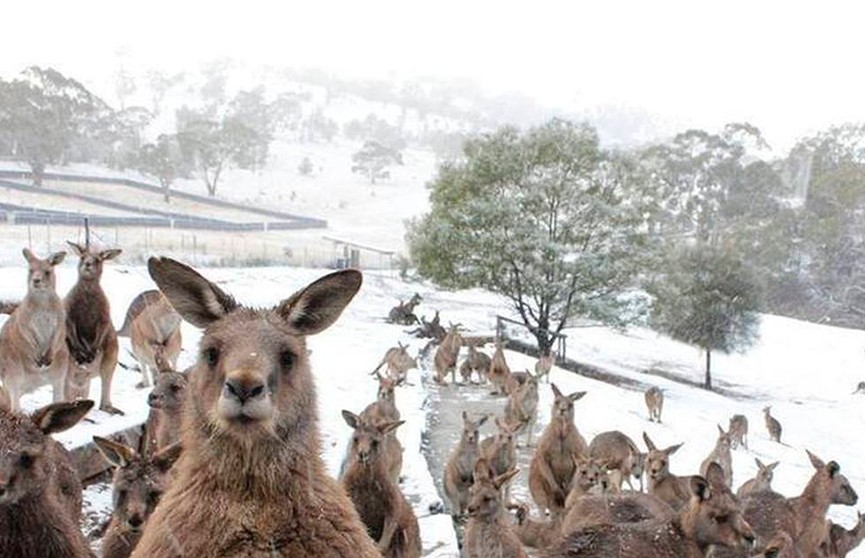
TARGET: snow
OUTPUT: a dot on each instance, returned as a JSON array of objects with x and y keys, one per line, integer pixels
[{"x": 805, "y": 371}]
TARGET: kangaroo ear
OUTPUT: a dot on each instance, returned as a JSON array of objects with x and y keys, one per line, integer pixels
[
  {"x": 317, "y": 306},
  {"x": 715, "y": 474},
  {"x": 649, "y": 443},
  {"x": 483, "y": 419},
  {"x": 577, "y": 396},
  {"x": 56, "y": 258},
  {"x": 390, "y": 426},
  {"x": 115, "y": 453},
  {"x": 815, "y": 461},
  {"x": 673, "y": 449},
  {"x": 166, "y": 457},
  {"x": 700, "y": 488},
  {"x": 196, "y": 299},
  {"x": 29, "y": 256},
  {"x": 556, "y": 391},
  {"x": 79, "y": 251},
  {"x": 58, "y": 417},
  {"x": 351, "y": 419},
  {"x": 109, "y": 254},
  {"x": 504, "y": 477}
]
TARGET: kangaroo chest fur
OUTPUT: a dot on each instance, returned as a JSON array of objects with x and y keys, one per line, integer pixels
[
  {"x": 364, "y": 489},
  {"x": 28, "y": 532},
  {"x": 86, "y": 312},
  {"x": 42, "y": 325}
]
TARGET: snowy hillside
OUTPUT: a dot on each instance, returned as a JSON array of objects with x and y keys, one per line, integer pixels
[{"x": 805, "y": 372}]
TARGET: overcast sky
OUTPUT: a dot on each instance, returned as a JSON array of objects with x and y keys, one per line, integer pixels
[{"x": 789, "y": 69}]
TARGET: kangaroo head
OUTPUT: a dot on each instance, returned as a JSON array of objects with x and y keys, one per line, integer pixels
[
  {"x": 40, "y": 273},
  {"x": 366, "y": 442},
  {"x": 252, "y": 382},
  {"x": 26, "y": 468},
  {"x": 90, "y": 261}
]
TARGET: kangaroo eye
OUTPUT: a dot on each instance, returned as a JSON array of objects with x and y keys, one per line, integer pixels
[
  {"x": 211, "y": 356},
  {"x": 25, "y": 461},
  {"x": 286, "y": 359}
]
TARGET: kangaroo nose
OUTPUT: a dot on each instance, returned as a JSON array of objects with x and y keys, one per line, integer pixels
[
  {"x": 135, "y": 521},
  {"x": 243, "y": 392}
]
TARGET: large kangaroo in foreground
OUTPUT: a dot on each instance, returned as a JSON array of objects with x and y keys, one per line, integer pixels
[{"x": 251, "y": 482}]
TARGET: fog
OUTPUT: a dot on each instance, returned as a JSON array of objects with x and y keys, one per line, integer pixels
[{"x": 789, "y": 70}]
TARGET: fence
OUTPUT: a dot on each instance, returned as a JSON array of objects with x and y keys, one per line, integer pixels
[{"x": 506, "y": 326}]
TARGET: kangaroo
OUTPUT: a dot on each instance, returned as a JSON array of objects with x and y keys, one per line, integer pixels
[
  {"x": 479, "y": 362},
  {"x": 586, "y": 480},
  {"x": 500, "y": 451},
  {"x": 398, "y": 362},
  {"x": 137, "y": 486},
  {"x": 552, "y": 466},
  {"x": 802, "y": 517},
  {"x": 841, "y": 541},
  {"x": 772, "y": 425},
  {"x": 403, "y": 313},
  {"x": 166, "y": 404},
  {"x": 381, "y": 411},
  {"x": 627, "y": 507},
  {"x": 487, "y": 533},
  {"x": 499, "y": 371},
  {"x": 712, "y": 517},
  {"x": 543, "y": 367},
  {"x": 738, "y": 430},
  {"x": 620, "y": 453},
  {"x": 33, "y": 339},
  {"x": 721, "y": 455},
  {"x": 459, "y": 471},
  {"x": 90, "y": 335},
  {"x": 655, "y": 403},
  {"x": 446, "y": 355},
  {"x": 388, "y": 517},
  {"x": 152, "y": 325},
  {"x": 761, "y": 481},
  {"x": 521, "y": 410},
  {"x": 40, "y": 494},
  {"x": 534, "y": 533},
  {"x": 250, "y": 481},
  {"x": 673, "y": 490}
]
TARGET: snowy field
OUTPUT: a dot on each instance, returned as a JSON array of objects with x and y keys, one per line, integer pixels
[{"x": 806, "y": 372}]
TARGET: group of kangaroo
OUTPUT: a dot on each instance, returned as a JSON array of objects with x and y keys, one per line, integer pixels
[
  {"x": 578, "y": 487},
  {"x": 239, "y": 472}
]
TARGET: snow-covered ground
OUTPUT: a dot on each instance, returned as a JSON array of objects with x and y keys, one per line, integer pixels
[{"x": 806, "y": 372}]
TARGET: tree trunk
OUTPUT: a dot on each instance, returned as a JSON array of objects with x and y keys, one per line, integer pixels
[
  {"x": 545, "y": 342},
  {"x": 708, "y": 384},
  {"x": 38, "y": 170},
  {"x": 166, "y": 191}
]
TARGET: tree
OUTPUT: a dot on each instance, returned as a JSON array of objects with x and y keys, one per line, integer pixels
[
  {"x": 305, "y": 167},
  {"x": 373, "y": 160},
  {"x": 162, "y": 160},
  {"x": 545, "y": 218},
  {"x": 42, "y": 113},
  {"x": 708, "y": 298}
]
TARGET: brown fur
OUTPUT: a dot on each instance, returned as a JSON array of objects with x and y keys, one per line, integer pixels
[
  {"x": 166, "y": 404},
  {"x": 90, "y": 335},
  {"x": 487, "y": 533},
  {"x": 137, "y": 486},
  {"x": 500, "y": 451},
  {"x": 153, "y": 327},
  {"x": 499, "y": 371},
  {"x": 761, "y": 481},
  {"x": 32, "y": 341},
  {"x": 388, "y": 517},
  {"x": 398, "y": 362},
  {"x": 587, "y": 480},
  {"x": 654, "y": 403},
  {"x": 446, "y": 355},
  {"x": 841, "y": 541},
  {"x": 552, "y": 467},
  {"x": 40, "y": 503},
  {"x": 534, "y": 533},
  {"x": 459, "y": 471},
  {"x": 521, "y": 409},
  {"x": 479, "y": 362},
  {"x": 403, "y": 313},
  {"x": 781, "y": 546},
  {"x": 772, "y": 425},
  {"x": 380, "y": 411},
  {"x": 628, "y": 507},
  {"x": 686, "y": 535},
  {"x": 617, "y": 451},
  {"x": 802, "y": 517},
  {"x": 738, "y": 430},
  {"x": 721, "y": 455},
  {"x": 543, "y": 367},
  {"x": 251, "y": 481},
  {"x": 672, "y": 489}
]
